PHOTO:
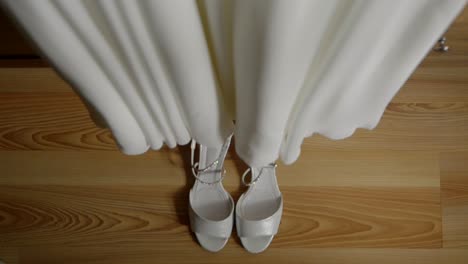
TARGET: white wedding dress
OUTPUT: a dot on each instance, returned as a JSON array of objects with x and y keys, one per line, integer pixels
[{"x": 164, "y": 71}]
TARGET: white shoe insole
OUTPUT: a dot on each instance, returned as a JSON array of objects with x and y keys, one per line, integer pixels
[
  {"x": 263, "y": 198},
  {"x": 211, "y": 201}
]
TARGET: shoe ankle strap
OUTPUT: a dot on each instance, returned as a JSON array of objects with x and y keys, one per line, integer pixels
[
  {"x": 196, "y": 171},
  {"x": 253, "y": 179}
]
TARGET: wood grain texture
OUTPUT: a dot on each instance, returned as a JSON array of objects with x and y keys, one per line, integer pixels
[
  {"x": 412, "y": 126},
  {"x": 439, "y": 78},
  {"x": 28, "y": 62},
  {"x": 32, "y": 80},
  {"x": 393, "y": 195},
  {"x": 438, "y": 83},
  {"x": 454, "y": 190},
  {"x": 9, "y": 255},
  {"x": 59, "y": 121},
  {"x": 146, "y": 215},
  {"x": 442, "y": 77},
  {"x": 72, "y": 255},
  {"x": 171, "y": 167},
  {"x": 55, "y": 121}
]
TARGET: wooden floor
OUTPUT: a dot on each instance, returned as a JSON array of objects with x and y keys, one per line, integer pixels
[{"x": 395, "y": 194}]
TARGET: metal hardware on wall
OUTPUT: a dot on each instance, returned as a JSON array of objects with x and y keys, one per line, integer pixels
[{"x": 440, "y": 46}]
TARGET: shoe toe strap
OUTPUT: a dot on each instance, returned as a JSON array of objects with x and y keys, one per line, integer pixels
[
  {"x": 255, "y": 228},
  {"x": 204, "y": 226}
]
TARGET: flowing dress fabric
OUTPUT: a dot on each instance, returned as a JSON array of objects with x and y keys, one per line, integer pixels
[
  {"x": 163, "y": 71},
  {"x": 143, "y": 65},
  {"x": 303, "y": 67}
]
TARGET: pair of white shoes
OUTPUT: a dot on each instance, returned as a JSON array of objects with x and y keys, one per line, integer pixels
[{"x": 211, "y": 209}]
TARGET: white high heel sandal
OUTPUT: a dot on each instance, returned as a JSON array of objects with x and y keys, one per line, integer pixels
[
  {"x": 210, "y": 206},
  {"x": 259, "y": 209}
]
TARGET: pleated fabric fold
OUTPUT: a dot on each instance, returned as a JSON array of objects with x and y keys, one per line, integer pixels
[
  {"x": 310, "y": 66},
  {"x": 147, "y": 72},
  {"x": 376, "y": 47},
  {"x": 162, "y": 72}
]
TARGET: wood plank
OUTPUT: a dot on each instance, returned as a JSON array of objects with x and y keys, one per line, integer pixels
[
  {"x": 454, "y": 194},
  {"x": 362, "y": 168},
  {"x": 72, "y": 202},
  {"x": 13, "y": 42},
  {"x": 54, "y": 121},
  {"x": 9, "y": 255},
  {"x": 412, "y": 126},
  {"x": 172, "y": 167},
  {"x": 440, "y": 78},
  {"x": 59, "y": 121},
  {"x": 32, "y": 80},
  {"x": 156, "y": 216},
  {"x": 459, "y": 27},
  {"x": 28, "y": 62},
  {"x": 150, "y": 254}
]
